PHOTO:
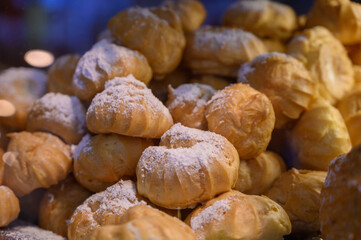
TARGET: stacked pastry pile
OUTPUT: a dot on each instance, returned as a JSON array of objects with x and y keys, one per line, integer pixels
[{"x": 168, "y": 130}]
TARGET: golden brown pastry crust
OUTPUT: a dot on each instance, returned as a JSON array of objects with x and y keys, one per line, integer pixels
[
  {"x": 284, "y": 80},
  {"x": 60, "y": 74},
  {"x": 128, "y": 107},
  {"x": 59, "y": 203},
  {"x": 262, "y": 18},
  {"x": 244, "y": 116},
  {"x": 220, "y": 50},
  {"x": 155, "y": 32},
  {"x": 143, "y": 222},
  {"x": 298, "y": 192},
  {"x": 341, "y": 17},
  {"x": 256, "y": 176},
  {"x": 103, "y": 208},
  {"x": 21, "y": 86},
  {"x": 35, "y": 160},
  {"x": 103, "y": 62},
  {"x": 216, "y": 82},
  {"x": 59, "y": 114},
  {"x": 326, "y": 59},
  {"x": 9, "y": 206},
  {"x": 188, "y": 167},
  {"x": 187, "y": 104},
  {"x": 102, "y": 160},
  {"x": 357, "y": 75},
  {"x": 192, "y": 13},
  {"x": 319, "y": 136},
  {"x": 340, "y": 212},
  {"x": 234, "y": 215}
]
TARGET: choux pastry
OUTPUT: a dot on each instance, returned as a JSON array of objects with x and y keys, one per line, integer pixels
[
  {"x": 155, "y": 32},
  {"x": 187, "y": 104},
  {"x": 234, "y": 215},
  {"x": 220, "y": 50},
  {"x": 319, "y": 136},
  {"x": 103, "y": 62},
  {"x": 244, "y": 116},
  {"x": 21, "y": 86},
  {"x": 102, "y": 160},
  {"x": 298, "y": 192},
  {"x": 59, "y": 114},
  {"x": 262, "y": 18},
  {"x": 128, "y": 107},
  {"x": 284, "y": 80},
  {"x": 188, "y": 167},
  {"x": 216, "y": 82},
  {"x": 35, "y": 160},
  {"x": 9, "y": 206}
]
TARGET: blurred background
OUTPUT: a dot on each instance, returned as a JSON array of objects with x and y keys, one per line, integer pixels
[{"x": 72, "y": 26}]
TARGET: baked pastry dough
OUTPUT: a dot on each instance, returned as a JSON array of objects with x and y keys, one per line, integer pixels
[
  {"x": 341, "y": 17},
  {"x": 262, "y": 18},
  {"x": 326, "y": 59},
  {"x": 357, "y": 75},
  {"x": 274, "y": 45},
  {"x": 21, "y": 86},
  {"x": 188, "y": 167},
  {"x": 234, "y": 215},
  {"x": 60, "y": 74},
  {"x": 103, "y": 208},
  {"x": 155, "y": 32},
  {"x": 256, "y": 176},
  {"x": 9, "y": 206},
  {"x": 319, "y": 136},
  {"x": 102, "y": 160},
  {"x": 35, "y": 160},
  {"x": 103, "y": 62},
  {"x": 220, "y": 50},
  {"x": 59, "y": 114},
  {"x": 128, "y": 107},
  {"x": 59, "y": 203},
  {"x": 298, "y": 192},
  {"x": 187, "y": 104},
  {"x": 216, "y": 82},
  {"x": 340, "y": 212},
  {"x": 284, "y": 80},
  {"x": 191, "y": 12},
  {"x": 244, "y": 116},
  {"x": 143, "y": 222},
  {"x": 350, "y": 109}
]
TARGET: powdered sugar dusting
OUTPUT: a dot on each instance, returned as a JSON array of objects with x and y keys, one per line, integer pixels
[
  {"x": 245, "y": 69},
  {"x": 77, "y": 149}
]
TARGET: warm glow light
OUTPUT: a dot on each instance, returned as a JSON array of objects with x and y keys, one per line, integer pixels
[{"x": 39, "y": 58}]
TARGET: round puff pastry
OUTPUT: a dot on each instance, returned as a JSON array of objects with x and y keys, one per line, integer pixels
[
  {"x": 216, "y": 82},
  {"x": 298, "y": 192},
  {"x": 319, "y": 136},
  {"x": 256, "y": 176},
  {"x": 59, "y": 203},
  {"x": 326, "y": 59},
  {"x": 262, "y": 18},
  {"x": 103, "y": 62},
  {"x": 220, "y": 50},
  {"x": 191, "y": 12},
  {"x": 244, "y": 116},
  {"x": 102, "y": 160},
  {"x": 188, "y": 167},
  {"x": 103, "y": 208},
  {"x": 284, "y": 80},
  {"x": 128, "y": 107},
  {"x": 155, "y": 32},
  {"x": 341, "y": 17},
  {"x": 274, "y": 45},
  {"x": 60, "y": 74},
  {"x": 340, "y": 212},
  {"x": 59, "y": 114},
  {"x": 9, "y": 206},
  {"x": 143, "y": 222},
  {"x": 35, "y": 160},
  {"x": 187, "y": 104},
  {"x": 350, "y": 109},
  {"x": 21, "y": 86},
  {"x": 234, "y": 215}
]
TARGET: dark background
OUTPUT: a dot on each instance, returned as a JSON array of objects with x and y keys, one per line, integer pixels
[{"x": 71, "y": 26}]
